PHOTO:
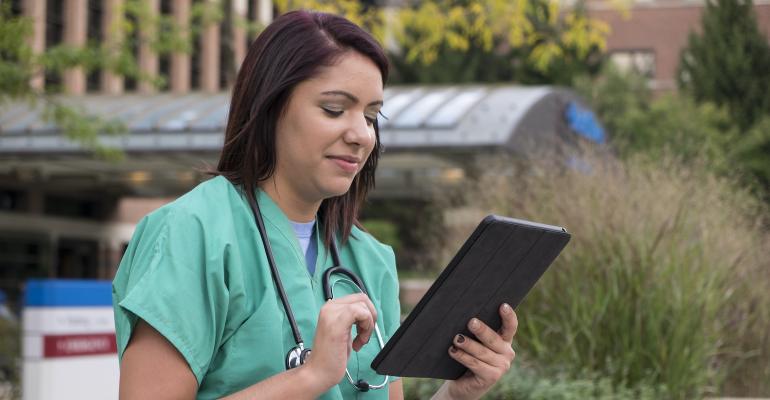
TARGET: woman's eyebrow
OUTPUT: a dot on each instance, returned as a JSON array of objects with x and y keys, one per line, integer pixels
[{"x": 352, "y": 98}]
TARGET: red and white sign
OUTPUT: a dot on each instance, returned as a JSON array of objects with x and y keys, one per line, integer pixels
[
  {"x": 79, "y": 345},
  {"x": 70, "y": 353}
]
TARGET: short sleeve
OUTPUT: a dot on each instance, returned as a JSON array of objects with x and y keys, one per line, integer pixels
[{"x": 172, "y": 277}]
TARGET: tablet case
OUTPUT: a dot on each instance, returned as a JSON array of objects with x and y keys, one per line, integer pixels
[{"x": 499, "y": 263}]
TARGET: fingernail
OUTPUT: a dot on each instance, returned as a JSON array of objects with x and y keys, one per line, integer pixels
[
  {"x": 453, "y": 349},
  {"x": 507, "y": 308},
  {"x": 460, "y": 338},
  {"x": 474, "y": 324}
]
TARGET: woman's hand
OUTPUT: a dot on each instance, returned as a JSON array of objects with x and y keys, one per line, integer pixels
[
  {"x": 332, "y": 343},
  {"x": 487, "y": 359}
]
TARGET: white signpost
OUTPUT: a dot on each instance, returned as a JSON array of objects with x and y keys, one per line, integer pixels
[{"x": 69, "y": 349}]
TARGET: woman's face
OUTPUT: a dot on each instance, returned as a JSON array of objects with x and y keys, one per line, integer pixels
[{"x": 326, "y": 132}]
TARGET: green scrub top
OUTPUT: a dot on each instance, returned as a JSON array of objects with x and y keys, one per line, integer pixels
[{"x": 196, "y": 271}]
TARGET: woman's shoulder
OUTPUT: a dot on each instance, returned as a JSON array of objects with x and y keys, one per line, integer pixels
[
  {"x": 211, "y": 209},
  {"x": 209, "y": 200},
  {"x": 198, "y": 226},
  {"x": 362, "y": 236},
  {"x": 363, "y": 241}
]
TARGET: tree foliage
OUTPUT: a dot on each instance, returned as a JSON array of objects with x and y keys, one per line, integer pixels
[
  {"x": 672, "y": 124},
  {"x": 729, "y": 62},
  {"x": 528, "y": 41},
  {"x": 676, "y": 126},
  {"x": 478, "y": 40}
]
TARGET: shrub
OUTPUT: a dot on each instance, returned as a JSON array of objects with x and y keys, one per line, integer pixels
[
  {"x": 670, "y": 125},
  {"x": 675, "y": 125},
  {"x": 10, "y": 359},
  {"x": 665, "y": 279},
  {"x": 385, "y": 231},
  {"x": 524, "y": 382}
]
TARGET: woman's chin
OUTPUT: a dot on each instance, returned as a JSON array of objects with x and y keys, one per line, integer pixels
[{"x": 337, "y": 189}]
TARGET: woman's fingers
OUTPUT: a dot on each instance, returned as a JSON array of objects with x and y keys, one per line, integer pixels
[
  {"x": 492, "y": 348},
  {"x": 481, "y": 352},
  {"x": 358, "y": 297},
  {"x": 485, "y": 373},
  {"x": 487, "y": 359},
  {"x": 352, "y": 310},
  {"x": 364, "y": 321},
  {"x": 357, "y": 309},
  {"x": 510, "y": 323},
  {"x": 488, "y": 337}
]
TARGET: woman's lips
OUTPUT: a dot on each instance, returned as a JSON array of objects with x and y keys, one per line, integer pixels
[{"x": 347, "y": 164}]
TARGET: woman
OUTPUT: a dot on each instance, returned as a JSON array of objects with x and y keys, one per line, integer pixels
[{"x": 197, "y": 309}]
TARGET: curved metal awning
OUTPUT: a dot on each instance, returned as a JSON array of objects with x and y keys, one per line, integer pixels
[
  {"x": 421, "y": 117},
  {"x": 167, "y": 134}
]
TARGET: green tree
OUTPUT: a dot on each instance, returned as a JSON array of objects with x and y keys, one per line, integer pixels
[
  {"x": 528, "y": 41},
  {"x": 729, "y": 62},
  {"x": 430, "y": 41}
]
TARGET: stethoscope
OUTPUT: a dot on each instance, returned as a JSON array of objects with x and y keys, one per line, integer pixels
[{"x": 299, "y": 354}]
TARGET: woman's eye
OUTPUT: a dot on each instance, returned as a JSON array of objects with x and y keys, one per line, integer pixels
[
  {"x": 332, "y": 113},
  {"x": 370, "y": 121}
]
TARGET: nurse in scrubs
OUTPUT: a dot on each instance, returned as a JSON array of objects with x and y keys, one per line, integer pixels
[{"x": 197, "y": 312}]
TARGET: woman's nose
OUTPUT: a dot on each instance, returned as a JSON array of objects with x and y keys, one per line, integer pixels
[{"x": 360, "y": 132}]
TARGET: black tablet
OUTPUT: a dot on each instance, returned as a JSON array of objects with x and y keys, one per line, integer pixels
[{"x": 499, "y": 263}]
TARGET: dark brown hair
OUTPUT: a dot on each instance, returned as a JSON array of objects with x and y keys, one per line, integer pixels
[{"x": 289, "y": 51}]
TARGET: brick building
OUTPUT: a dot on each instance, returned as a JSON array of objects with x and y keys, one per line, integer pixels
[{"x": 654, "y": 32}]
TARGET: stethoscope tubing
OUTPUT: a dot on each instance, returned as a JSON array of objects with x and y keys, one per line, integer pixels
[
  {"x": 274, "y": 271},
  {"x": 361, "y": 385}
]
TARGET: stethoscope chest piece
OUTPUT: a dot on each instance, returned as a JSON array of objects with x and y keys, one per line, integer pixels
[{"x": 297, "y": 356}]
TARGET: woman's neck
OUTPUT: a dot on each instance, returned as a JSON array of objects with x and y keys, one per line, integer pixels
[{"x": 292, "y": 204}]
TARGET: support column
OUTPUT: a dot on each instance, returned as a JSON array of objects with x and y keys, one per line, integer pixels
[
  {"x": 35, "y": 10},
  {"x": 240, "y": 15},
  {"x": 75, "y": 31},
  {"x": 180, "y": 61},
  {"x": 148, "y": 58},
  {"x": 264, "y": 11},
  {"x": 35, "y": 202},
  {"x": 209, "y": 59},
  {"x": 112, "y": 34}
]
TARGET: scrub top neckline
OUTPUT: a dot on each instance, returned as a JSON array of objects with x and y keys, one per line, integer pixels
[{"x": 272, "y": 213}]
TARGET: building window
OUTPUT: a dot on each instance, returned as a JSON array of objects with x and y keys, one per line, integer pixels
[
  {"x": 639, "y": 61},
  {"x": 94, "y": 35},
  {"x": 54, "y": 35}
]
